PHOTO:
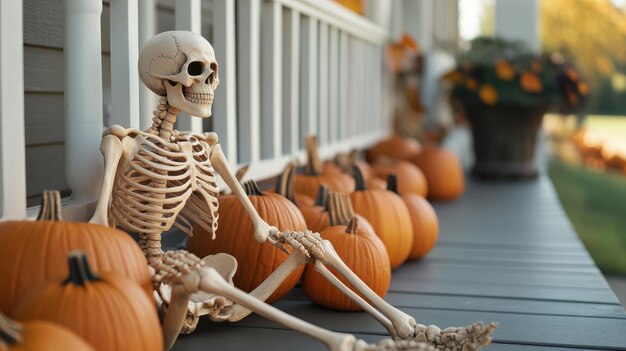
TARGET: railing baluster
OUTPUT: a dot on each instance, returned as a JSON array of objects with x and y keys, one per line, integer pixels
[
  {"x": 124, "y": 55},
  {"x": 344, "y": 85},
  {"x": 12, "y": 153},
  {"x": 225, "y": 105},
  {"x": 147, "y": 29},
  {"x": 83, "y": 98},
  {"x": 333, "y": 90},
  {"x": 323, "y": 80},
  {"x": 354, "y": 87},
  {"x": 271, "y": 79},
  {"x": 188, "y": 16},
  {"x": 291, "y": 81},
  {"x": 248, "y": 89},
  {"x": 308, "y": 80}
]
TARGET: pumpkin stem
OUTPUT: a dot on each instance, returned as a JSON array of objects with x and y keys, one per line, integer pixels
[
  {"x": 313, "y": 163},
  {"x": 322, "y": 196},
  {"x": 392, "y": 183},
  {"x": 50, "y": 206},
  {"x": 80, "y": 272},
  {"x": 284, "y": 182},
  {"x": 340, "y": 209},
  {"x": 358, "y": 179},
  {"x": 241, "y": 172},
  {"x": 252, "y": 188},
  {"x": 10, "y": 331},
  {"x": 352, "y": 226}
]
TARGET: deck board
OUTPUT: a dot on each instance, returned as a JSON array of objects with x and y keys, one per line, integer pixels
[{"x": 507, "y": 253}]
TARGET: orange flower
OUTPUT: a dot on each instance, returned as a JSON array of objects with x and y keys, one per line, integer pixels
[
  {"x": 453, "y": 76},
  {"x": 530, "y": 82},
  {"x": 471, "y": 84},
  {"x": 488, "y": 95},
  {"x": 536, "y": 66},
  {"x": 583, "y": 88},
  {"x": 504, "y": 70},
  {"x": 572, "y": 74},
  {"x": 572, "y": 98}
]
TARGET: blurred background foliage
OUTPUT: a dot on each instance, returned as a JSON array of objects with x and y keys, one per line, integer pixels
[{"x": 594, "y": 33}]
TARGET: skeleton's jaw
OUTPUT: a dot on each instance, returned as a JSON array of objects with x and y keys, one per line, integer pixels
[{"x": 195, "y": 100}]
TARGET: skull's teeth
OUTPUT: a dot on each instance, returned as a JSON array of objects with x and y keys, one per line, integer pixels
[{"x": 199, "y": 98}]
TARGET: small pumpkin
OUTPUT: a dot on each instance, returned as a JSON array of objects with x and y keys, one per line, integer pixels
[
  {"x": 423, "y": 218},
  {"x": 389, "y": 217},
  {"x": 396, "y": 147},
  {"x": 38, "y": 336},
  {"x": 107, "y": 310},
  {"x": 318, "y": 217},
  {"x": 309, "y": 182},
  {"x": 235, "y": 236},
  {"x": 33, "y": 252},
  {"x": 361, "y": 250},
  {"x": 443, "y": 171},
  {"x": 410, "y": 178}
]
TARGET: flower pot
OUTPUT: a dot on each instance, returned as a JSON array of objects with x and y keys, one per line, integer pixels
[{"x": 504, "y": 138}]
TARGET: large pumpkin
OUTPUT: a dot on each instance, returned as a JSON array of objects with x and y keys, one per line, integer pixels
[
  {"x": 389, "y": 216},
  {"x": 361, "y": 250},
  {"x": 423, "y": 218},
  {"x": 396, "y": 147},
  {"x": 410, "y": 177},
  {"x": 443, "y": 172},
  {"x": 107, "y": 310},
  {"x": 285, "y": 186},
  {"x": 308, "y": 183},
  {"x": 38, "y": 336},
  {"x": 235, "y": 237},
  {"x": 33, "y": 252}
]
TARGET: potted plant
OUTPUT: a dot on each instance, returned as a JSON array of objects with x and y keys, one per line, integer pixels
[{"x": 505, "y": 89}]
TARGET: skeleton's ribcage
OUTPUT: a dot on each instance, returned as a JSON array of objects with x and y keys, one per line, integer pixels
[{"x": 164, "y": 185}]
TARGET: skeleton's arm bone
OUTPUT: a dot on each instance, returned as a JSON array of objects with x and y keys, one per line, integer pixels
[
  {"x": 175, "y": 318},
  {"x": 220, "y": 163},
  {"x": 112, "y": 150}
]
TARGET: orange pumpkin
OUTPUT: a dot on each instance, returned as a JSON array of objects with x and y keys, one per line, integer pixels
[
  {"x": 38, "y": 336},
  {"x": 318, "y": 217},
  {"x": 410, "y": 178},
  {"x": 108, "y": 310},
  {"x": 285, "y": 187},
  {"x": 235, "y": 236},
  {"x": 443, "y": 171},
  {"x": 423, "y": 218},
  {"x": 361, "y": 250},
  {"x": 32, "y": 252},
  {"x": 309, "y": 182},
  {"x": 389, "y": 216},
  {"x": 396, "y": 147}
]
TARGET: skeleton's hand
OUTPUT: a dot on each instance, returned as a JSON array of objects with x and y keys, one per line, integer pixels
[{"x": 179, "y": 267}]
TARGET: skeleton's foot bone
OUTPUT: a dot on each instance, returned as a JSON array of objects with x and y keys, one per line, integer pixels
[
  {"x": 391, "y": 345},
  {"x": 473, "y": 337}
]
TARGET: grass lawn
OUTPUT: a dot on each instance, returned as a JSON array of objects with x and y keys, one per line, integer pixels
[{"x": 596, "y": 205}]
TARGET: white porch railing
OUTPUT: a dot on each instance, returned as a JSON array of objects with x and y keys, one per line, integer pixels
[{"x": 287, "y": 68}]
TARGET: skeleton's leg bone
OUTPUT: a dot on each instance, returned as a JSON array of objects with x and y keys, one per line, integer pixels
[
  {"x": 212, "y": 282},
  {"x": 354, "y": 297},
  {"x": 176, "y": 314},
  {"x": 269, "y": 285},
  {"x": 112, "y": 149},
  {"x": 403, "y": 324}
]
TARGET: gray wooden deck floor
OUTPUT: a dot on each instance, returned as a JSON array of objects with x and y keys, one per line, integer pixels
[{"x": 507, "y": 253}]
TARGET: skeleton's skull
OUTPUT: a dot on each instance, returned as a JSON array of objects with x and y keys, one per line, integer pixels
[{"x": 182, "y": 66}]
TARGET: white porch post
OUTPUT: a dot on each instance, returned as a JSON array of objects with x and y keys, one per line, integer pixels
[
  {"x": 519, "y": 20},
  {"x": 12, "y": 156},
  {"x": 188, "y": 16},
  {"x": 147, "y": 29},
  {"x": 83, "y": 97},
  {"x": 124, "y": 55}
]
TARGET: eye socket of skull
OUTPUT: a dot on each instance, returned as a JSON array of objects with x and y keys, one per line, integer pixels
[{"x": 195, "y": 68}]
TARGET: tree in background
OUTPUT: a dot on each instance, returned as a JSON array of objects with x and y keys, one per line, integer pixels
[{"x": 593, "y": 32}]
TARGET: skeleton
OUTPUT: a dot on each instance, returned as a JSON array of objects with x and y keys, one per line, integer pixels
[{"x": 160, "y": 178}]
